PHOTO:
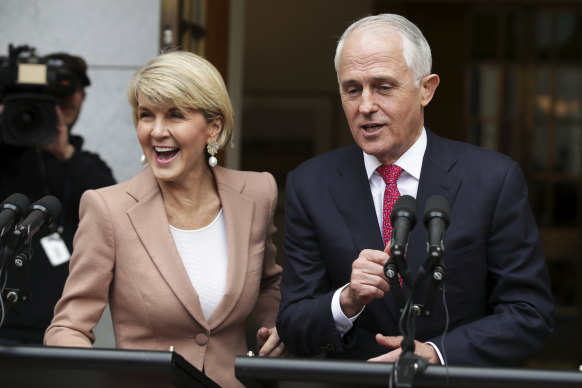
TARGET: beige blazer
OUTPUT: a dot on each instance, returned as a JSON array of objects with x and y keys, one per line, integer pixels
[{"x": 124, "y": 254}]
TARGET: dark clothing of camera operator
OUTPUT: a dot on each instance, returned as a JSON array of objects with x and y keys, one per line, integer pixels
[{"x": 60, "y": 168}]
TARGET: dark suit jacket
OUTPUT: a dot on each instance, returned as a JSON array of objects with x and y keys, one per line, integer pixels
[{"x": 497, "y": 287}]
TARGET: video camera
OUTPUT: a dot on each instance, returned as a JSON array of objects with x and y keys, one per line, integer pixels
[{"x": 28, "y": 87}]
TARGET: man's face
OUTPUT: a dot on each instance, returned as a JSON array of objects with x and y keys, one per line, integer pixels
[
  {"x": 383, "y": 106},
  {"x": 71, "y": 105}
]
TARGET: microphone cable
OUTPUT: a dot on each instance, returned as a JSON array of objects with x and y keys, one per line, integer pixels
[
  {"x": 447, "y": 322},
  {"x": 3, "y": 280},
  {"x": 408, "y": 320}
]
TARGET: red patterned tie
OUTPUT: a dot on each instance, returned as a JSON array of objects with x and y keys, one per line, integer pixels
[{"x": 390, "y": 174}]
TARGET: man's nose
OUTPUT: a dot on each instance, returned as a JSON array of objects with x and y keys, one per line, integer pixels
[{"x": 368, "y": 102}]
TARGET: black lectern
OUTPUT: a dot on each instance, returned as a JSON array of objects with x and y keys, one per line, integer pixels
[
  {"x": 264, "y": 372},
  {"x": 48, "y": 367}
]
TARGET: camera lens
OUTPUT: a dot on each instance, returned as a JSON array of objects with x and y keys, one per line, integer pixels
[{"x": 28, "y": 119}]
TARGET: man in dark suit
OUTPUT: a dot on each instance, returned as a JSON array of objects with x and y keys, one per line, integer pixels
[{"x": 336, "y": 300}]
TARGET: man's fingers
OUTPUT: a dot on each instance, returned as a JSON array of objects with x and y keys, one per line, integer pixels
[
  {"x": 274, "y": 351},
  {"x": 387, "y": 357},
  {"x": 369, "y": 263},
  {"x": 268, "y": 347},
  {"x": 262, "y": 336},
  {"x": 375, "y": 256},
  {"x": 392, "y": 342},
  {"x": 273, "y": 346},
  {"x": 263, "y": 333}
]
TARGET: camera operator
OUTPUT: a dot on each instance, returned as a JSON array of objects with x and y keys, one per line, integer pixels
[{"x": 63, "y": 169}]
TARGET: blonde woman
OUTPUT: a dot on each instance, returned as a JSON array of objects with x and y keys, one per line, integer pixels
[{"x": 183, "y": 250}]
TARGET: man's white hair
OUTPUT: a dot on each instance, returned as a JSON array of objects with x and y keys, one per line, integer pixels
[{"x": 415, "y": 48}]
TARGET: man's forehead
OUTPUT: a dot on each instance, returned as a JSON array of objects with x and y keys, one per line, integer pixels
[
  {"x": 386, "y": 37},
  {"x": 367, "y": 48},
  {"x": 380, "y": 66}
]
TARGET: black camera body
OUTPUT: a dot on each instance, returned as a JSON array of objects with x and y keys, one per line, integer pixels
[{"x": 29, "y": 86}]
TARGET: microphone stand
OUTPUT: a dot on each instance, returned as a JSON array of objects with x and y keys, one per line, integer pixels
[
  {"x": 18, "y": 260},
  {"x": 409, "y": 364},
  {"x": 438, "y": 275}
]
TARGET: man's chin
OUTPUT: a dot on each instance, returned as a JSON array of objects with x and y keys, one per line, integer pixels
[
  {"x": 374, "y": 149},
  {"x": 381, "y": 154}
]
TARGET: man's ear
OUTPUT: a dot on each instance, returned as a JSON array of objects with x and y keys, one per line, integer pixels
[{"x": 428, "y": 86}]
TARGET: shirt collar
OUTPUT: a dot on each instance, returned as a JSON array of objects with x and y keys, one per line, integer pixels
[{"x": 410, "y": 161}]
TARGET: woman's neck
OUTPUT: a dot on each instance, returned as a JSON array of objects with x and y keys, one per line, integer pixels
[{"x": 192, "y": 205}]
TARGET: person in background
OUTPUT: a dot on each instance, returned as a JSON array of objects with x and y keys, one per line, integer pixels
[
  {"x": 61, "y": 168},
  {"x": 336, "y": 298},
  {"x": 182, "y": 251}
]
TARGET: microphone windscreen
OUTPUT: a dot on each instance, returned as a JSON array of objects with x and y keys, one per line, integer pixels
[
  {"x": 437, "y": 206},
  {"x": 49, "y": 205},
  {"x": 19, "y": 203},
  {"x": 405, "y": 206}
]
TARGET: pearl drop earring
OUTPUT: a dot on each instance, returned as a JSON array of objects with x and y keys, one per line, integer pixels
[
  {"x": 212, "y": 148},
  {"x": 142, "y": 160}
]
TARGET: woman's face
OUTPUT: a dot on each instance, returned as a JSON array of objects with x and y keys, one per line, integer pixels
[{"x": 174, "y": 141}]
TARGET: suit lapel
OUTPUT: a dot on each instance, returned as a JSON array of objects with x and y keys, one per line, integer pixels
[
  {"x": 352, "y": 195},
  {"x": 353, "y": 199},
  {"x": 150, "y": 222},
  {"x": 435, "y": 179},
  {"x": 149, "y": 219},
  {"x": 238, "y": 214}
]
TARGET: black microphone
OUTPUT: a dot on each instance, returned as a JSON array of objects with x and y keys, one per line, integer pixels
[
  {"x": 403, "y": 219},
  {"x": 11, "y": 211},
  {"x": 45, "y": 210},
  {"x": 436, "y": 221}
]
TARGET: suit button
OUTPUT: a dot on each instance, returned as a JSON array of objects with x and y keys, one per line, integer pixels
[{"x": 201, "y": 339}]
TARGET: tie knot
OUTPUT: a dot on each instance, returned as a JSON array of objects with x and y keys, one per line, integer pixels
[{"x": 390, "y": 173}]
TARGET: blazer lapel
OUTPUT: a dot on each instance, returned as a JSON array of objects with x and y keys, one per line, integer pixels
[
  {"x": 352, "y": 196},
  {"x": 150, "y": 222},
  {"x": 435, "y": 179},
  {"x": 238, "y": 213}
]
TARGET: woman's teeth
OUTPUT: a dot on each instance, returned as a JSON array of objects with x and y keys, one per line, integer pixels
[{"x": 165, "y": 153}]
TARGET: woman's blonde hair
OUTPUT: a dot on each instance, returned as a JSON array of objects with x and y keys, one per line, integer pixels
[{"x": 187, "y": 81}]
